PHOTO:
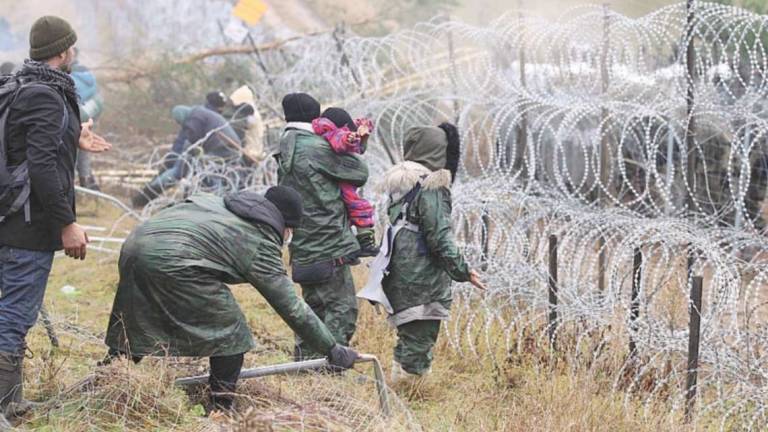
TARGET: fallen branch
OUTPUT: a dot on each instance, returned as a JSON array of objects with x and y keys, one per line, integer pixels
[
  {"x": 138, "y": 72},
  {"x": 252, "y": 48}
]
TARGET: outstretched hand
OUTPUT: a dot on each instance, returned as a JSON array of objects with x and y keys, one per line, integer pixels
[
  {"x": 474, "y": 279},
  {"x": 91, "y": 142}
]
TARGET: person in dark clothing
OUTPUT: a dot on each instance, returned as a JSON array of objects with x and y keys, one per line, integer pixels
[
  {"x": 200, "y": 124},
  {"x": 42, "y": 129},
  {"x": 202, "y": 131},
  {"x": 216, "y": 101}
]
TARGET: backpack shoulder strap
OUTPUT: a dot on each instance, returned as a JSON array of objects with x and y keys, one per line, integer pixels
[{"x": 402, "y": 217}]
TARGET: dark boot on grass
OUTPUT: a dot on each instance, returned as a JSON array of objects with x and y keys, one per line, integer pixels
[
  {"x": 11, "y": 387},
  {"x": 366, "y": 237}
]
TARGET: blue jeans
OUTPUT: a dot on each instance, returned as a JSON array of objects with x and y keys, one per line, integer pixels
[
  {"x": 23, "y": 277},
  {"x": 167, "y": 179}
]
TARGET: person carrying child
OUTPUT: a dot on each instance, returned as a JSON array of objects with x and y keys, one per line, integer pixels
[{"x": 351, "y": 136}]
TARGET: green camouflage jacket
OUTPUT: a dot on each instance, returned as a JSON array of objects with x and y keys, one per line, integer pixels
[
  {"x": 308, "y": 164},
  {"x": 423, "y": 263},
  {"x": 172, "y": 296}
]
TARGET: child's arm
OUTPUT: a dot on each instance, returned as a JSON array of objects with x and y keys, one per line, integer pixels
[
  {"x": 342, "y": 140},
  {"x": 364, "y": 131}
]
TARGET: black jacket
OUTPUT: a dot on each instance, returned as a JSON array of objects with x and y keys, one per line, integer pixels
[
  {"x": 198, "y": 124},
  {"x": 33, "y": 126}
]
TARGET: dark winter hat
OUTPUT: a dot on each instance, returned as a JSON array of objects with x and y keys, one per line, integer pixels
[
  {"x": 253, "y": 207},
  {"x": 49, "y": 37},
  {"x": 180, "y": 113},
  {"x": 288, "y": 201},
  {"x": 340, "y": 118},
  {"x": 216, "y": 100},
  {"x": 434, "y": 147},
  {"x": 300, "y": 107}
]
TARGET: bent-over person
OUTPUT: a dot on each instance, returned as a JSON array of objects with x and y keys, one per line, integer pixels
[{"x": 172, "y": 298}]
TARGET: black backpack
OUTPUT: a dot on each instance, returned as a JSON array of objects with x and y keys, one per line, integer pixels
[{"x": 15, "y": 186}]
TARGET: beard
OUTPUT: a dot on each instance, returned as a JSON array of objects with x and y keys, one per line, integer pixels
[{"x": 69, "y": 60}]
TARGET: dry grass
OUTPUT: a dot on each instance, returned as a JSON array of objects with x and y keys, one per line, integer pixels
[
  {"x": 121, "y": 396},
  {"x": 527, "y": 391}
]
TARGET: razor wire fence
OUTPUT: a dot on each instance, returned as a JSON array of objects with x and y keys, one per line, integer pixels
[{"x": 618, "y": 136}]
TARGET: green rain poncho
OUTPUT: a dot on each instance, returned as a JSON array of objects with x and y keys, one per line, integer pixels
[
  {"x": 308, "y": 165},
  {"x": 172, "y": 298}
]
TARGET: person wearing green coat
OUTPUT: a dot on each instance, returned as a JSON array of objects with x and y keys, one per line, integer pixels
[
  {"x": 424, "y": 258},
  {"x": 324, "y": 246},
  {"x": 172, "y": 298}
]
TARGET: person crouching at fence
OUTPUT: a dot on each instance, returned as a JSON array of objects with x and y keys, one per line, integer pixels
[
  {"x": 424, "y": 257},
  {"x": 172, "y": 298},
  {"x": 203, "y": 132}
]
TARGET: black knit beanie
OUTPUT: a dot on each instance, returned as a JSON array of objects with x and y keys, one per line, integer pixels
[
  {"x": 49, "y": 37},
  {"x": 288, "y": 201},
  {"x": 340, "y": 118},
  {"x": 216, "y": 100},
  {"x": 300, "y": 107}
]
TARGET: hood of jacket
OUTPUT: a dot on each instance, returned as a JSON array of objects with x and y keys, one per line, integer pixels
[
  {"x": 402, "y": 178},
  {"x": 256, "y": 209},
  {"x": 426, "y": 145}
]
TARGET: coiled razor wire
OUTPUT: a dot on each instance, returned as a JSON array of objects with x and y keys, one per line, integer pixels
[{"x": 581, "y": 128}]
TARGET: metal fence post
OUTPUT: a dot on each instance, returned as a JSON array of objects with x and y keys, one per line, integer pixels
[
  {"x": 606, "y": 190},
  {"x": 552, "y": 328},
  {"x": 634, "y": 305},
  {"x": 694, "y": 340},
  {"x": 690, "y": 135},
  {"x": 521, "y": 150},
  {"x": 486, "y": 234}
]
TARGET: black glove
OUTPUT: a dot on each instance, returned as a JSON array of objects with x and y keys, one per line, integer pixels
[{"x": 341, "y": 357}]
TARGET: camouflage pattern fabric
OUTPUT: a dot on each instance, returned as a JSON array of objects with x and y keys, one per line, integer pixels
[
  {"x": 172, "y": 298},
  {"x": 308, "y": 164},
  {"x": 415, "y": 341},
  {"x": 424, "y": 263},
  {"x": 334, "y": 302}
]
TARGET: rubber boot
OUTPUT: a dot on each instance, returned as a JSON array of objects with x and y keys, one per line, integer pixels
[
  {"x": 143, "y": 197},
  {"x": 399, "y": 376},
  {"x": 90, "y": 183},
  {"x": 11, "y": 388},
  {"x": 366, "y": 238},
  {"x": 225, "y": 371}
]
